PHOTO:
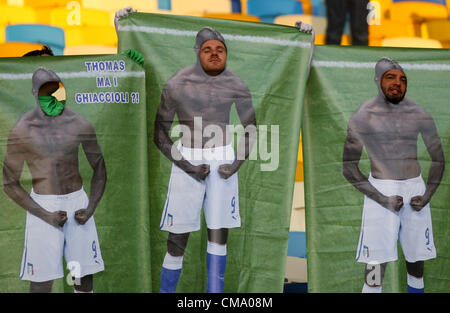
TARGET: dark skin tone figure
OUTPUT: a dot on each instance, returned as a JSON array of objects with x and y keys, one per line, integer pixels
[
  {"x": 49, "y": 146},
  {"x": 197, "y": 103},
  {"x": 389, "y": 130}
]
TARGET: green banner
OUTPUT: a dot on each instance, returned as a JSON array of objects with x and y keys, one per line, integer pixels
[
  {"x": 342, "y": 82},
  {"x": 272, "y": 61},
  {"x": 108, "y": 93}
]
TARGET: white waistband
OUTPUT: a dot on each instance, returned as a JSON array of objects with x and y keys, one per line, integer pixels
[
  {"x": 68, "y": 196},
  {"x": 417, "y": 179}
]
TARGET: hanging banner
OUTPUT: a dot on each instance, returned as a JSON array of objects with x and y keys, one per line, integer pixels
[
  {"x": 376, "y": 151},
  {"x": 194, "y": 103},
  {"x": 87, "y": 154}
]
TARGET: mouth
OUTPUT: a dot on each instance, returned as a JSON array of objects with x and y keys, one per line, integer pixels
[{"x": 395, "y": 91}]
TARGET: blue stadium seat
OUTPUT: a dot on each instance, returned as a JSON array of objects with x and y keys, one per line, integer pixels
[
  {"x": 267, "y": 10},
  {"x": 38, "y": 33},
  {"x": 319, "y": 8},
  {"x": 297, "y": 244},
  {"x": 164, "y": 5}
]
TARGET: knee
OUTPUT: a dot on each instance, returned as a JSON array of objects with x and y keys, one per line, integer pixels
[{"x": 176, "y": 244}]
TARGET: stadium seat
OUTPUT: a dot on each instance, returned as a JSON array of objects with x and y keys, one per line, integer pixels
[
  {"x": 16, "y": 15},
  {"x": 91, "y": 35},
  {"x": 267, "y": 10},
  {"x": 64, "y": 17},
  {"x": 184, "y": 7},
  {"x": 319, "y": 23},
  {"x": 233, "y": 16},
  {"x": 44, "y": 34},
  {"x": 439, "y": 30},
  {"x": 89, "y": 49},
  {"x": 17, "y": 49},
  {"x": 417, "y": 10},
  {"x": 307, "y": 6},
  {"x": 45, "y": 3},
  {"x": 411, "y": 42},
  {"x": 319, "y": 8}
]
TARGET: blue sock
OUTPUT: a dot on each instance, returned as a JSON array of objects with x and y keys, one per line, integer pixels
[
  {"x": 170, "y": 273},
  {"x": 216, "y": 272},
  {"x": 169, "y": 280},
  {"x": 415, "y": 290}
]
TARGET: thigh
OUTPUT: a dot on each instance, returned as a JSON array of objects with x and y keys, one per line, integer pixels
[
  {"x": 182, "y": 209},
  {"x": 82, "y": 248},
  {"x": 43, "y": 249}
]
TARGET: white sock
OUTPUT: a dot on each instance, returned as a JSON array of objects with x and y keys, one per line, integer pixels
[
  {"x": 173, "y": 262},
  {"x": 216, "y": 249},
  {"x": 368, "y": 289},
  {"x": 415, "y": 282}
]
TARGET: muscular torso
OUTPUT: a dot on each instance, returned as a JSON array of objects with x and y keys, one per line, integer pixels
[
  {"x": 390, "y": 136},
  {"x": 50, "y": 147},
  {"x": 203, "y": 104}
]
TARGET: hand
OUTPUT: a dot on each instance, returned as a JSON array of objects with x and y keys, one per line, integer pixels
[
  {"x": 226, "y": 170},
  {"x": 121, "y": 14},
  {"x": 199, "y": 172},
  {"x": 417, "y": 203},
  {"x": 82, "y": 216},
  {"x": 303, "y": 27},
  {"x": 394, "y": 203},
  {"x": 57, "y": 219},
  {"x": 136, "y": 56}
]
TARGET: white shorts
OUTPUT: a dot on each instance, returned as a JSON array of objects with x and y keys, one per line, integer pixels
[
  {"x": 217, "y": 196},
  {"x": 381, "y": 228},
  {"x": 45, "y": 244}
]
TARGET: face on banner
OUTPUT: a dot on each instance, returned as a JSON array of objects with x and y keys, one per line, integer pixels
[
  {"x": 224, "y": 130},
  {"x": 392, "y": 154},
  {"x": 55, "y": 155}
]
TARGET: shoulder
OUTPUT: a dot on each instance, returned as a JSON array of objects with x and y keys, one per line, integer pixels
[
  {"x": 232, "y": 79},
  {"x": 24, "y": 121},
  {"x": 363, "y": 111},
  {"x": 414, "y": 107},
  {"x": 180, "y": 75},
  {"x": 71, "y": 117}
]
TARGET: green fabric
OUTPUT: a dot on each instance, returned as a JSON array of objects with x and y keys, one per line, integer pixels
[
  {"x": 272, "y": 60},
  {"x": 135, "y": 56},
  {"x": 122, "y": 216},
  {"x": 341, "y": 79},
  {"x": 50, "y": 105}
]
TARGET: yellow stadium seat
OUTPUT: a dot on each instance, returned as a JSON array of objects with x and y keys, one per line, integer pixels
[
  {"x": 411, "y": 42},
  {"x": 90, "y": 35},
  {"x": 417, "y": 11},
  {"x": 16, "y": 15},
  {"x": 299, "y": 176},
  {"x": 319, "y": 23},
  {"x": 438, "y": 29},
  {"x": 115, "y": 5},
  {"x": 391, "y": 29},
  {"x": 64, "y": 17},
  {"x": 45, "y": 3},
  {"x": 90, "y": 49},
  {"x": 307, "y": 6},
  {"x": 17, "y": 49},
  {"x": 183, "y": 7},
  {"x": 233, "y": 16}
]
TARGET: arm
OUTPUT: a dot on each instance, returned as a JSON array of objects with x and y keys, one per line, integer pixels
[
  {"x": 163, "y": 122},
  {"x": 247, "y": 116},
  {"x": 352, "y": 154},
  {"x": 436, "y": 171},
  {"x": 12, "y": 169},
  {"x": 98, "y": 182}
]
